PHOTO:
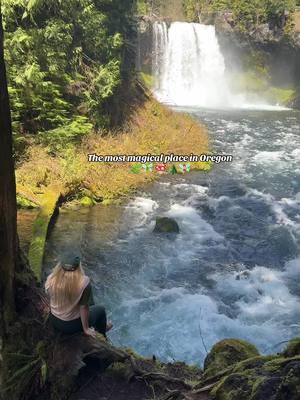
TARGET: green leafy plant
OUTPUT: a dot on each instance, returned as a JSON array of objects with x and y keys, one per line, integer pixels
[{"x": 65, "y": 58}]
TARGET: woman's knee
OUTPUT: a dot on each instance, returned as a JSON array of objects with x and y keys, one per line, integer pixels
[
  {"x": 99, "y": 313},
  {"x": 100, "y": 310}
]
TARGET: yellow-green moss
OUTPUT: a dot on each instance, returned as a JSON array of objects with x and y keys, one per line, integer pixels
[
  {"x": 87, "y": 201},
  {"x": 293, "y": 348},
  {"x": 277, "y": 363},
  {"x": 227, "y": 353},
  {"x": 257, "y": 84},
  {"x": 282, "y": 96},
  {"x": 40, "y": 228},
  {"x": 250, "y": 82},
  {"x": 258, "y": 378},
  {"x": 232, "y": 387},
  {"x": 147, "y": 79},
  {"x": 22, "y": 202},
  {"x": 107, "y": 202},
  {"x": 253, "y": 363}
]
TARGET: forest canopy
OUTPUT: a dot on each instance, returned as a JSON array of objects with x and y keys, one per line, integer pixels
[
  {"x": 245, "y": 12},
  {"x": 67, "y": 61}
]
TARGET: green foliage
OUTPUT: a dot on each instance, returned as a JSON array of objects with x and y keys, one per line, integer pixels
[
  {"x": 143, "y": 7},
  {"x": 22, "y": 202},
  {"x": 65, "y": 58},
  {"x": 59, "y": 139},
  {"x": 293, "y": 348},
  {"x": 246, "y": 14}
]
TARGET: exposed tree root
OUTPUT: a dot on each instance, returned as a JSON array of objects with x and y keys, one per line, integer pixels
[{"x": 157, "y": 376}]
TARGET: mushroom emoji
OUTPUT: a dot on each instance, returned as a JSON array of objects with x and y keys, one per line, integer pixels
[{"x": 161, "y": 168}]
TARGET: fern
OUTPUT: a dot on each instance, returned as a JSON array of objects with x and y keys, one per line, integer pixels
[{"x": 64, "y": 57}]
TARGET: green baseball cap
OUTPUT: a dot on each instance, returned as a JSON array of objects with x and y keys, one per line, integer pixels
[{"x": 69, "y": 264}]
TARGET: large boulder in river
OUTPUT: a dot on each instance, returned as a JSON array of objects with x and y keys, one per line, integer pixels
[{"x": 166, "y": 225}]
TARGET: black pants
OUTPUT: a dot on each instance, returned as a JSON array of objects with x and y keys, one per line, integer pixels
[{"x": 97, "y": 319}]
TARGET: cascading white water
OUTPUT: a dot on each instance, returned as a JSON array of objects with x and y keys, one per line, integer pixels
[
  {"x": 188, "y": 65},
  {"x": 189, "y": 69}
]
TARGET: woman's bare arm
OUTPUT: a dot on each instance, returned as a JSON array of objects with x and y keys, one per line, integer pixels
[{"x": 84, "y": 315}]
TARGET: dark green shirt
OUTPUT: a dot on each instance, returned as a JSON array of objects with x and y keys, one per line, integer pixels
[{"x": 87, "y": 298}]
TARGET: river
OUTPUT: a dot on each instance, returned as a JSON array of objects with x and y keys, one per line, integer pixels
[{"x": 233, "y": 271}]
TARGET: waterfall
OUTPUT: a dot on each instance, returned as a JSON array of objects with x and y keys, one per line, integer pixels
[{"x": 188, "y": 65}]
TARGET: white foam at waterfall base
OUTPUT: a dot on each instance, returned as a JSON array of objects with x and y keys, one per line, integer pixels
[{"x": 189, "y": 69}]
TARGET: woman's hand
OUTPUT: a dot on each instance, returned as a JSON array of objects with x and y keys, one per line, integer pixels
[
  {"x": 90, "y": 332},
  {"x": 84, "y": 315}
]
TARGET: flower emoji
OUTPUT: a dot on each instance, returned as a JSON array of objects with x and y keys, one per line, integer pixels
[{"x": 161, "y": 168}]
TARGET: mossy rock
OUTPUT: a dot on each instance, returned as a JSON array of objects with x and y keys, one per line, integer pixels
[
  {"x": 293, "y": 348},
  {"x": 166, "y": 225},
  {"x": 290, "y": 384},
  {"x": 87, "y": 201},
  {"x": 107, "y": 202},
  {"x": 235, "y": 386},
  {"x": 226, "y": 353},
  {"x": 272, "y": 377},
  {"x": 253, "y": 363},
  {"x": 261, "y": 383},
  {"x": 246, "y": 386}
]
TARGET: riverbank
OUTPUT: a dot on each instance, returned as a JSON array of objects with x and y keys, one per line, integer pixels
[
  {"x": 153, "y": 129},
  {"x": 233, "y": 369}
]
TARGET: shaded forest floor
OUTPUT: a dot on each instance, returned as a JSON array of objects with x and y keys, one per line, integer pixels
[{"x": 114, "y": 384}]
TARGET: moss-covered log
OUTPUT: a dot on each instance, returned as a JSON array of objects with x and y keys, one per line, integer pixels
[{"x": 49, "y": 203}]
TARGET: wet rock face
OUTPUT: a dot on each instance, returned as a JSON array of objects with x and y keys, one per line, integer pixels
[{"x": 166, "y": 225}]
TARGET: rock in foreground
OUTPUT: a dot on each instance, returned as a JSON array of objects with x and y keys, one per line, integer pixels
[{"x": 241, "y": 373}]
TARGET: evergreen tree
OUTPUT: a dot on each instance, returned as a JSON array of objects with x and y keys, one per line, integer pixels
[
  {"x": 8, "y": 208},
  {"x": 67, "y": 60}
]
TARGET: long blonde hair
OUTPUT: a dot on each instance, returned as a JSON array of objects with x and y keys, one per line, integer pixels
[{"x": 64, "y": 286}]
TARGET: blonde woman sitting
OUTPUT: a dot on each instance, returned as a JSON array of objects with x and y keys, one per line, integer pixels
[{"x": 72, "y": 306}]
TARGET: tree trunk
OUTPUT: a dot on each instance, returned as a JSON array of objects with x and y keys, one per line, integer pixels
[{"x": 8, "y": 209}]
